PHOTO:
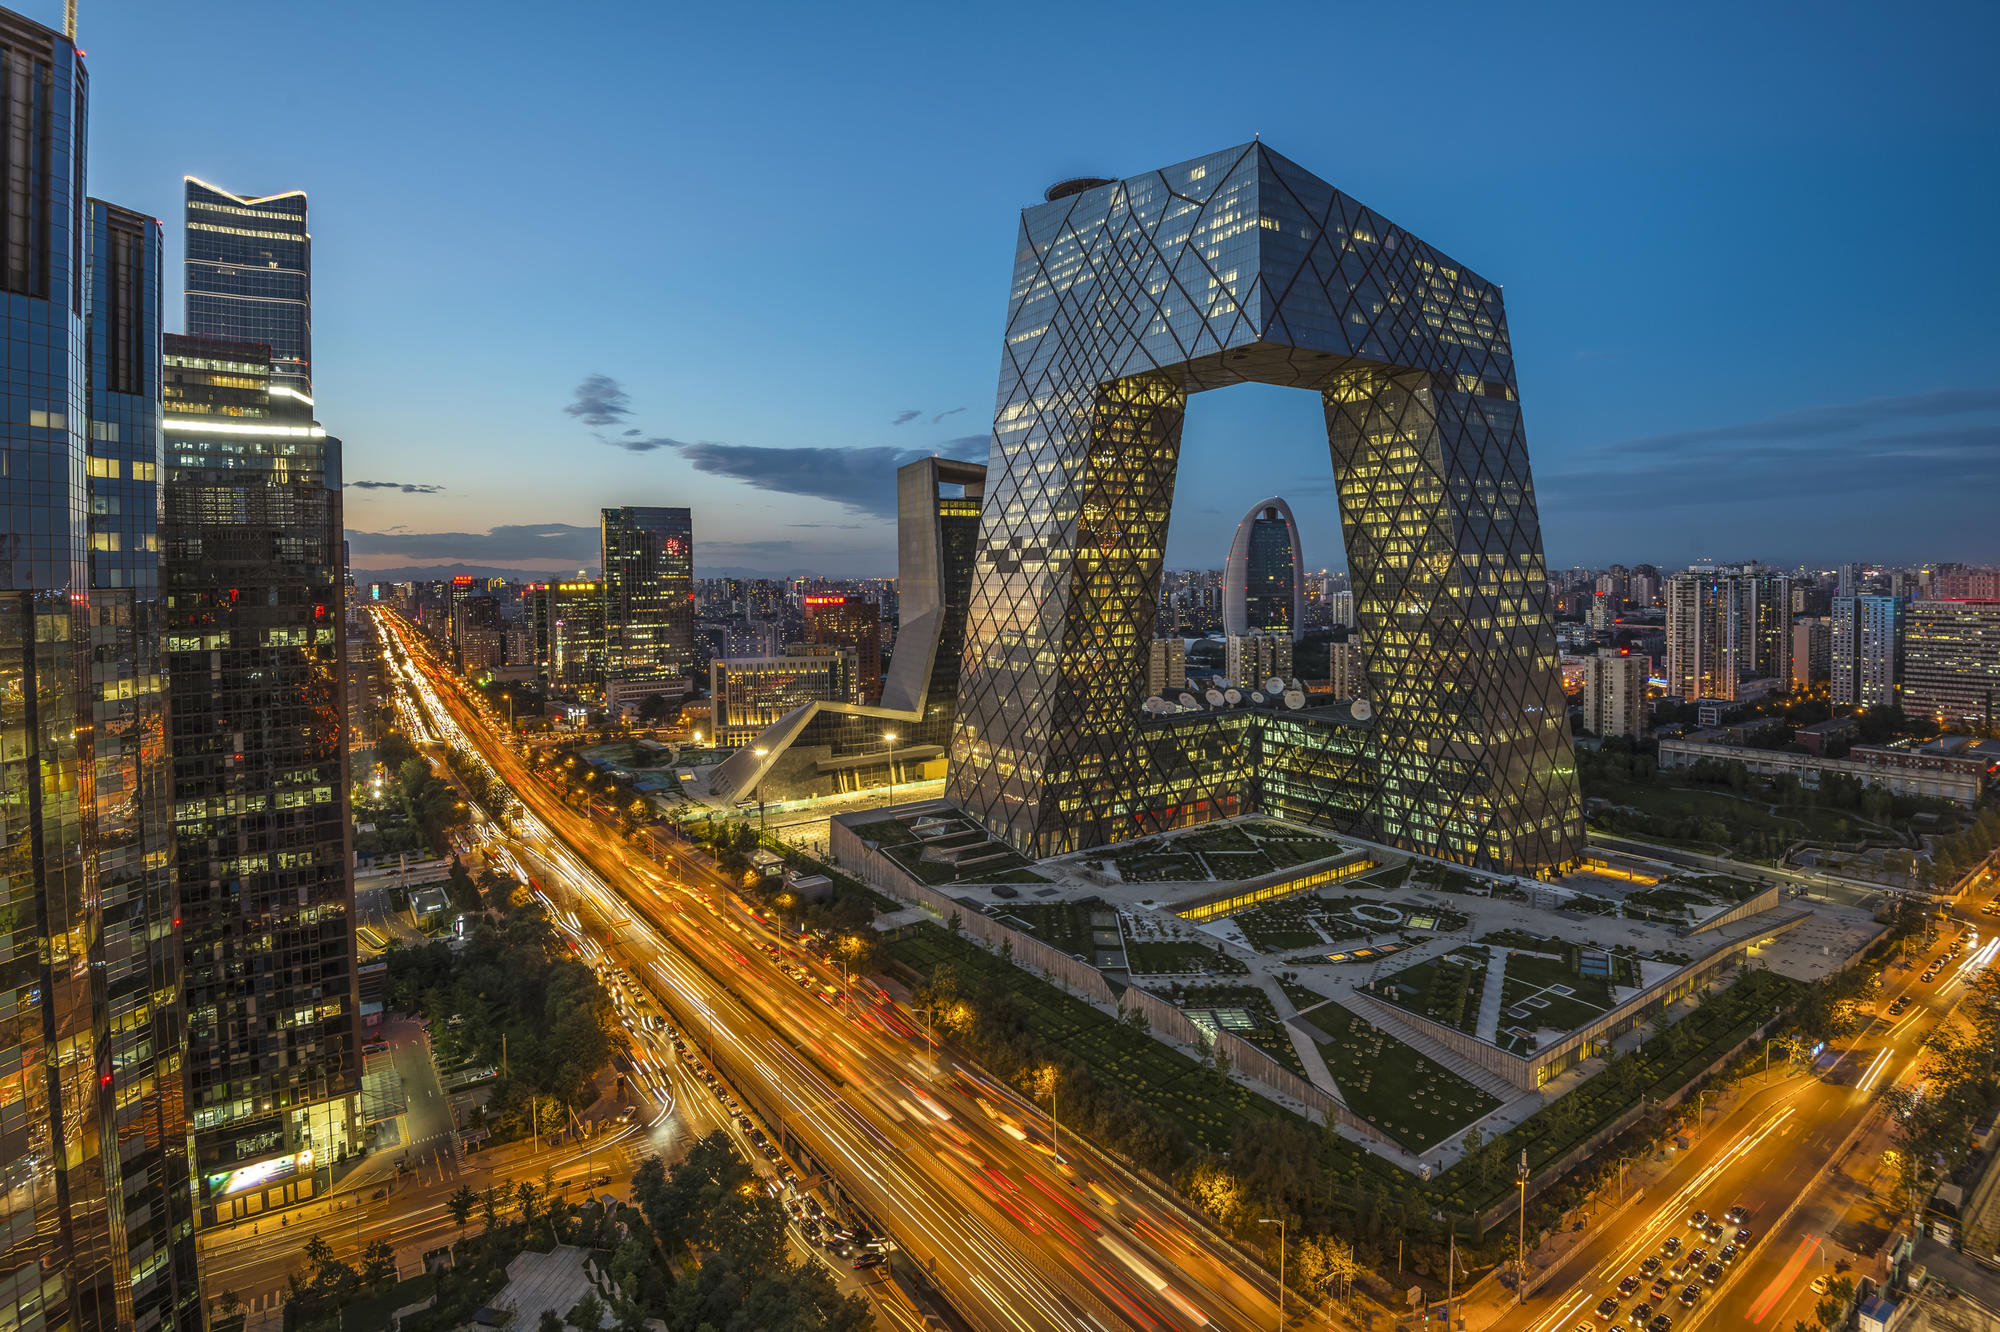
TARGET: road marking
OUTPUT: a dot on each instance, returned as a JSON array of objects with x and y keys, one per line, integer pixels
[{"x": 1781, "y": 1282}]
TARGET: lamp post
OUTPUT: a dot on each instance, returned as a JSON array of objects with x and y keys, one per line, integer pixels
[
  {"x": 1280, "y": 1224},
  {"x": 760, "y": 753},
  {"x": 889, "y": 747},
  {"x": 1521, "y": 1237}
]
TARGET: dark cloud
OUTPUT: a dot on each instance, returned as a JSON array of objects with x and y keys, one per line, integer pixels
[
  {"x": 522, "y": 541},
  {"x": 644, "y": 444},
  {"x": 863, "y": 479},
  {"x": 407, "y": 487},
  {"x": 905, "y": 416},
  {"x": 970, "y": 448},
  {"x": 635, "y": 431},
  {"x": 941, "y": 415},
  {"x": 599, "y": 401},
  {"x": 1816, "y": 423},
  {"x": 836, "y": 527}
]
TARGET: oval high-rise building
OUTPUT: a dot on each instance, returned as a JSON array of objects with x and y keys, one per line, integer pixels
[{"x": 1263, "y": 591}]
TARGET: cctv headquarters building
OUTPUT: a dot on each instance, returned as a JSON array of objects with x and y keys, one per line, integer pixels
[{"x": 1129, "y": 295}]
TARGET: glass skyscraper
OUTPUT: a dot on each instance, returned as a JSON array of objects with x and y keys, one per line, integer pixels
[
  {"x": 249, "y": 275},
  {"x": 1263, "y": 589},
  {"x": 648, "y": 602},
  {"x": 255, "y": 638},
  {"x": 95, "y": 1226},
  {"x": 1128, "y": 295}
]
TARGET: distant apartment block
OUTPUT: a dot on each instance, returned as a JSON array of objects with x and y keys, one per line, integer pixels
[
  {"x": 1166, "y": 667},
  {"x": 1614, "y": 693},
  {"x": 1951, "y": 660},
  {"x": 1866, "y": 647}
]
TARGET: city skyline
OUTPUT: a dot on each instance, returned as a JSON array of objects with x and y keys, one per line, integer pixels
[{"x": 1632, "y": 236}]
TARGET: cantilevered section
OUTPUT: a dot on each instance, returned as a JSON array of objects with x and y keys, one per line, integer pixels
[
  {"x": 1235, "y": 267},
  {"x": 822, "y": 747},
  {"x": 1263, "y": 581}
]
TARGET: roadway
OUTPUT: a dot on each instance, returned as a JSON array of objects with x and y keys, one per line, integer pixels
[
  {"x": 957, "y": 1169},
  {"x": 1762, "y": 1152}
]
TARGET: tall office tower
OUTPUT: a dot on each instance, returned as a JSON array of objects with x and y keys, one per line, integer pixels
[
  {"x": 95, "y": 1216},
  {"x": 1867, "y": 650},
  {"x": 1850, "y": 581},
  {"x": 648, "y": 603},
  {"x": 831, "y": 746},
  {"x": 1262, "y": 592},
  {"x": 1951, "y": 661},
  {"x": 1614, "y": 693},
  {"x": 568, "y": 620},
  {"x": 1725, "y": 626},
  {"x": 134, "y": 845},
  {"x": 1346, "y": 669},
  {"x": 249, "y": 277},
  {"x": 1341, "y": 605},
  {"x": 1303, "y": 286},
  {"x": 255, "y": 639},
  {"x": 1166, "y": 667},
  {"x": 838, "y": 619},
  {"x": 476, "y": 633},
  {"x": 1645, "y": 589},
  {"x": 1812, "y": 651}
]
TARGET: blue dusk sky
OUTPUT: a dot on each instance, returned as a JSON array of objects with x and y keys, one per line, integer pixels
[{"x": 748, "y": 258}]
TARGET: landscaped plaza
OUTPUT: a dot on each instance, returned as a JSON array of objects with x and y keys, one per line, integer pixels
[{"x": 1425, "y": 998}]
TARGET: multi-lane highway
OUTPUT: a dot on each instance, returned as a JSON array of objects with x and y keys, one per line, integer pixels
[
  {"x": 958, "y": 1170},
  {"x": 1763, "y": 1152}
]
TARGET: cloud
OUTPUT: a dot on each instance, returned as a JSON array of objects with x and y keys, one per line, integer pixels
[
  {"x": 906, "y": 416},
  {"x": 971, "y": 448},
  {"x": 560, "y": 543},
  {"x": 599, "y": 401},
  {"x": 862, "y": 479},
  {"x": 941, "y": 415},
  {"x": 1873, "y": 448},
  {"x": 635, "y": 431},
  {"x": 836, "y": 527},
  {"x": 407, "y": 487},
  {"x": 644, "y": 444}
]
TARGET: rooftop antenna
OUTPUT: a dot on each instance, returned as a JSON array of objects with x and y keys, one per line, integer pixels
[{"x": 69, "y": 20}]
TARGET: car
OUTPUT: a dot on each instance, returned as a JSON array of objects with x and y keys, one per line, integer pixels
[
  {"x": 1713, "y": 1231},
  {"x": 1681, "y": 1268},
  {"x": 1660, "y": 1323},
  {"x": 1640, "y": 1313},
  {"x": 1742, "y": 1237},
  {"x": 1712, "y": 1273},
  {"x": 1697, "y": 1256},
  {"x": 1607, "y": 1308},
  {"x": 1690, "y": 1293},
  {"x": 1650, "y": 1266},
  {"x": 1729, "y": 1253},
  {"x": 1698, "y": 1220},
  {"x": 1735, "y": 1216},
  {"x": 1672, "y": 1246},
  {"x": 1627, "y": 1286},
  {"x": 1661, "y": 1289},
  {"x": 1819, "y": 1284},
  {"x": 868, "y": 1260}
]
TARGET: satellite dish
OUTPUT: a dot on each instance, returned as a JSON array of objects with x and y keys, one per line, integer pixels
[
  {"x": 1257, "y": 696},
  {"x": 1234, "y": 696},
  {"x": 1156, "y": 705},
  {"x": 1274, "y": 685},
  {"x": 1361, "y": 709},
  {"x": 1188, "y": 701},
  {"x": 1295, "y": 698},
  {"x": 1294, "y": 683},
  {"x": 1214, "y": 697}
]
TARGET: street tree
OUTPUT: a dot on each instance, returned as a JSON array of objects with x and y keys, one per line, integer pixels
[{"x": 461, "y": 1205}]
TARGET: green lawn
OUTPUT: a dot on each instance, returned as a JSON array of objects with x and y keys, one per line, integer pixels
[
  {"x": 1065, "y": 925},
  {"x": 1443, "y": 989},
  {"x": 1413, "y": 1099},
  {"x": 1161, "y": 1077},
  {"x": 998, "y": 863},
  {"x": 1178, "y": 957}
]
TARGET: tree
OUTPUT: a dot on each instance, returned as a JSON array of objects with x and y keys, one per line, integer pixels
[
  {"x": 378, "y": 1265},
  {"x": 588, "y": 1313},
  {"x": 461, "y": 1205},
  {"x": 551, "y": 1321},
  {"x": 489, "y": 1207},
  {"x": 526, "y": 1194}
]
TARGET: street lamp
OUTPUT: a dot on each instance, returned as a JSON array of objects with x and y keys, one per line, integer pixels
[
  {"x": 760, "y": 752},
  {"x": 889, "y": 747},
  {"x": 1280, "y": 1224},
  {"x": 1521, "y": 1237}
]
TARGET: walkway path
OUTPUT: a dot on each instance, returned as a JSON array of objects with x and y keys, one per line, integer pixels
[{"x": 1489, "y": 1000}]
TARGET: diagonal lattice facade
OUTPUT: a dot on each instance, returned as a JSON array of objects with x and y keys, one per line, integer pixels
[{"x": 1236, "y": 267}]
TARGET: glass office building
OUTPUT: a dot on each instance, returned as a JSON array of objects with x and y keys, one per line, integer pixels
[
  {"x": 1128, "y": 295},
  {"x": 255, "y": 639},
  {"x": 248, "y": 268},
  {"x": 1263, "y": 578},
  {"x": 95, "y": 1231},
  {"x": 648, "y": 602}
]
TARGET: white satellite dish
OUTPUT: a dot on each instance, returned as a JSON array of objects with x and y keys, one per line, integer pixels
[
  {"x": 1294, "y": 683},
  {"x": 1274, "y": 685},
  {"x": 1361, "y": 710},
  {"x": 1155, "y": 705},
  {"x": 1188, "y": 701},
  {"x": 1234, "y": 696},
  {"x": 1295, "y": 698},
  {"x": 1214, "y": 697},
  {"x": 1257, "y": 696}
]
